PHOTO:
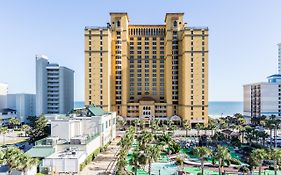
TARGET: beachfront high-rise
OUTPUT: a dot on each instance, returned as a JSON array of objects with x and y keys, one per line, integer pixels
[
  {"x": 54, "y": 87},
  {"x": 148, "y": 71},
  {"x": 3, "y": 95},
  {"x": 264, "y": 98}
]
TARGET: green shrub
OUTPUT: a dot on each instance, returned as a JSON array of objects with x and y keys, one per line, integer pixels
[
  {"x": 174, "y": 147},
  {"x": 90, "y": 158},
  {"x": 235, "y": 162}
]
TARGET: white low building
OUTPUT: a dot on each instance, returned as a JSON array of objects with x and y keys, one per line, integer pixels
[
  {"x": 6, "y": 114},
  {"x": 65, "y": 161},
  {"x": 74, "y": 138}
]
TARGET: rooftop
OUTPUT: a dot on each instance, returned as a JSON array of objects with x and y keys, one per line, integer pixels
[
  {"x": 5, "y": 110},
  {"x": 180, "y": 13},
  {"x": 275, "y": 76},
  {"x": 67, "y": 154},
  {"x": 95, "y": 110},
  {"x": 40, "y": 152}
]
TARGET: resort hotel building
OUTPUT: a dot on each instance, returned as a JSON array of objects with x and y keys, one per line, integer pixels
[
  {"x": 148, "y": 71},
  {"x": 54, "y": 87},
  {"x": 264, "y": 98}
]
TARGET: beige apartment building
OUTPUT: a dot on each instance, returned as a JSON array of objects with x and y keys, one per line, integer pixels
[{"x": 148, "y": 71}]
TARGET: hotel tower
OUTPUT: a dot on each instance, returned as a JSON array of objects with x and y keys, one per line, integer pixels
[{"x": 148, "y": 71}]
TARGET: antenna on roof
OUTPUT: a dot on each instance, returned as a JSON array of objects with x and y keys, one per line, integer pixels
[{"x": 279, "y": 58}]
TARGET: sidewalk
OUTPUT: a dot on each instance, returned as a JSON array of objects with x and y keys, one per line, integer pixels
[{"x": 103, "y": 162}]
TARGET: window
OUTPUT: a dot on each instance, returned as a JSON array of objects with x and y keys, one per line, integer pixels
[{"x": 118, "y": 24}]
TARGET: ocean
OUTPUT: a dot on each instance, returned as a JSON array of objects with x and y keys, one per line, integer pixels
[{"x": 216, "y": 108}]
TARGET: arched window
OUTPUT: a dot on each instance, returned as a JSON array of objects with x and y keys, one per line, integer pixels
[
  {"x": 118, "y": 24},
  {"x": 175, "y": 23}
]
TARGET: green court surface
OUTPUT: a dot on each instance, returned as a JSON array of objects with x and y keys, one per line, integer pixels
[
  {"x": 195, "y": 170},
  {"x": 164, "y": 158}
]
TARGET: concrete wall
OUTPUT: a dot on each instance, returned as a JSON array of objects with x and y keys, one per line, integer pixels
[
  {"x": 66, "y": 89},
  {"x": 41, "y": 85},
  {"x": 247, "y": 100},
  {"x": 64, "y": 164}
]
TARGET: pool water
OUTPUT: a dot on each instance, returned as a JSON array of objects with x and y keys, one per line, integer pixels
[
  {"x": 164, "y": 158},
  {"x": 165, "y": 168},
  {"x": 196, "y": 170}
]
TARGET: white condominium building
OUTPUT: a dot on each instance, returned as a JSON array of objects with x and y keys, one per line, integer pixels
[
  {"x": 24, "y": 104},
  {"x": 54, "y": 87},
  {"x": 264, "y": 98},
  {"x": 3, "y": 95}
]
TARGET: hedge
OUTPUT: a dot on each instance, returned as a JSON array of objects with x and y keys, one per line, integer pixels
[
  {"x": 93, "y": 155},
  {"x": 90, "y": 158}
]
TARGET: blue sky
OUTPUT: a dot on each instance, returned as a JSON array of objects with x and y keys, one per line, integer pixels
[{"x": 242, "y": 41}]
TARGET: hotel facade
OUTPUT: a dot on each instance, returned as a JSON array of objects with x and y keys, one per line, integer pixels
[{"x": 148, "y": 71}]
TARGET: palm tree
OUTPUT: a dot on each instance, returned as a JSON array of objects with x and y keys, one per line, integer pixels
[
  {"x": 145, "y": 138},
  {"x": 3, "y": 131},
  {"x": 199, "y": 126},
  {"x": 270, "y": 125},
  {"x": 275, "y": 155},
  {"x": 186, "y": 126},
  {"x": 173, "y": 128},
  {"x": 241, "y": 130},
  {"x": 121, "y": 162},
  {"x": 26, "y": 162},
  {"x": 14, "y": 122},
  {"x": 142, "y": 124},
  {"x": 202, "y": 153},
  {"x": 212, "y": 125},
  {"x": 257, "y": 157},
  {"x": 153, "y": 154},
  {"x": 154, "y": 125},
  {"x": 2, "y": 154},
  {"x": 135, "y": 161},
  {"x": 164, "y": 128},
  {"x": 25, "y": 128},
  {"x": 249, "y": 134},
  {"x": 169, "y": 123},
  {"x": 221, "y": 154},
  {"x": 222, "y": 123},
  {"x": 16, "y": 159},
  {"x": 276, "y": 127}
]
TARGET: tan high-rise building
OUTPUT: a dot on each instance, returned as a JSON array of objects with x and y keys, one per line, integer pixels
[{"x": 148, "y": 71}]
